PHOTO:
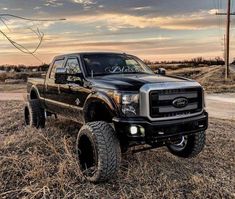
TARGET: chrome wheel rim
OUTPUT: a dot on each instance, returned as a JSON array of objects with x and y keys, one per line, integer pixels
[{"x": 181, "y": 144}]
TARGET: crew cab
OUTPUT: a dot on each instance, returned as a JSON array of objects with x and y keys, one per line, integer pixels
[{"x": 120, "y": 103}]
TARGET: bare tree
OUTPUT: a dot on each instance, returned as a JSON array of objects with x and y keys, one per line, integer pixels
[{"x": 37, "y": 32}]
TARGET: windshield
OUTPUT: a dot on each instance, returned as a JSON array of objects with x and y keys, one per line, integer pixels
[{"x": 105, "y": 64}]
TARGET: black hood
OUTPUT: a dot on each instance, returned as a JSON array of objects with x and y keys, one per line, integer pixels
[{"x": 131, "y": 82}]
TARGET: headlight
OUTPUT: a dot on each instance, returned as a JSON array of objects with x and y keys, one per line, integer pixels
[
  {"x": 130, "y": 104},
  {"x": 130, "y": 98}
]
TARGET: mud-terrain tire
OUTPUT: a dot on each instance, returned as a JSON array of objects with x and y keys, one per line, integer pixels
[
  {"x": 192, "y": 147},
  {"x": 34, "y": 114},
  {"x": 98, "y": 151}
]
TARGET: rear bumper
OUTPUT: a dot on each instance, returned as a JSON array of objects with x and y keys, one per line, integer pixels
[{"x": 159, "y": 131}]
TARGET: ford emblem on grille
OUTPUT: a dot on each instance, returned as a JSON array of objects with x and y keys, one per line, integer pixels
[{"x": 180, "y": 102}]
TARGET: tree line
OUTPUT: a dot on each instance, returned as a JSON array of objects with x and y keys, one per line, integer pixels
[
  {"x": 23, "y": 68},
  {"x": 192, "y": 62}
]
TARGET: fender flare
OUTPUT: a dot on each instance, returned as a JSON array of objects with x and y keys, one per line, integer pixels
[
  {"x": 34, "y": 89},
  {"x": 100, "y": 97}
]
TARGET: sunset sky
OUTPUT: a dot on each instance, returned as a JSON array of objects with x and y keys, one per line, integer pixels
[{"x": 151, "y": 29}]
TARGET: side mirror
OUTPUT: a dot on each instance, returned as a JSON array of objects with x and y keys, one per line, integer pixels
[
  {"x": 161, "y": 71},
  {"x": 61, "y": 76}
]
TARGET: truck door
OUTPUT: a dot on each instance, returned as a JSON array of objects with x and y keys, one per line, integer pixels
[
  {"x": 73, "y": 93},
  {"x": 51, "y": 89}
]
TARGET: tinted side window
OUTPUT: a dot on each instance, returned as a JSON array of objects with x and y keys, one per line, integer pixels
[
  {"x": 72, "y": 66},
  {"x": 57, "y": 64}
]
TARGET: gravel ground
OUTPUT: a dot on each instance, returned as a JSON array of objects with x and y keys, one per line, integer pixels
[{"x": 42, "y": 164}]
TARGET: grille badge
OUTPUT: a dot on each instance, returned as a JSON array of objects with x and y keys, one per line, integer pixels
[{"x": 180, "y": 102}]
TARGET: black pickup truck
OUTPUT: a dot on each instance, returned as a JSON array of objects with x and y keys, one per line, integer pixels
[{"x": 120, "y": 103}]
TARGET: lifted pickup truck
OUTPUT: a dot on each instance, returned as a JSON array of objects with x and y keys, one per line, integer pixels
[{"x": 120, "y": 103}]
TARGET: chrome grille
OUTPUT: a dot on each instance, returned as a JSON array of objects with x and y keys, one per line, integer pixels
[{"x": 161, "y": 102}]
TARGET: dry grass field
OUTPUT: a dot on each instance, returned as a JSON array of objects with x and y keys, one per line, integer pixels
[
  {"x": 16, "y": 81},
  {"x": 212, "y": 78},
  {"x": 42, "y": 164},
  {"x": 18, "y": 75}
]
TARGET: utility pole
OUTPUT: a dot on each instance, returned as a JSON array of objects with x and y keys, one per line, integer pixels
[
  {"x": 224, "y": 47},
  {"x": 227, "y": 38}
]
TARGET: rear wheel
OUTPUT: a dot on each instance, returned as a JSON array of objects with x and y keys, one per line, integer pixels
[
  {"x": 98, "y": 151},
  {"x": 34, "y": 114},
  {"x": 188, "y": 146}
]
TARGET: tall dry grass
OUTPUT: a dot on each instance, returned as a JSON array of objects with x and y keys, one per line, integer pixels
[
  {"x": 211, "y": 78},
  {"x": 42, "y": 164}
]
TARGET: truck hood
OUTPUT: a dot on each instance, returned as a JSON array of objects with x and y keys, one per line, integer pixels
[{"x": 131, "y": 82}]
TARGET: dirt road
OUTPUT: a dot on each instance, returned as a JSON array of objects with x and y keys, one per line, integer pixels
[
  {"x": 218, "y": 105},
  {"x": 221, "y": 105},
  {"x": 232, "y": 67},
  {"x": 12, "y": 96}
]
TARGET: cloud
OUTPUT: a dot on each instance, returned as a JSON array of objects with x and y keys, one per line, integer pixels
[
  {"x": 213, "y": 11},
  {"x": 84, "y": 2},
  {"x": 53, "y": 3},
  {"x": 142, "y": 8},
  {"x": 155, "y": 48},
  {"x": 37, "y": 8},
  {"x": 115, "y": 21}
]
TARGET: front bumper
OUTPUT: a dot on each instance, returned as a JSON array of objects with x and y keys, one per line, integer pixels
[{"x": 158, "y": 131}]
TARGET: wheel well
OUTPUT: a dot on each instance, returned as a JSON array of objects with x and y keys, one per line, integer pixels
[
  {"x": 98, "y": 111},
  {"x": 33, "y": 95}
]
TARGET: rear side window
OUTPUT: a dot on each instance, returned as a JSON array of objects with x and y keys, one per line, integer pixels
[{"x": 56, "y": 64}]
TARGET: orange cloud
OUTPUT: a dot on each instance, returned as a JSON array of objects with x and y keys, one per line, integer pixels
[{"x": 194, "y": 21}]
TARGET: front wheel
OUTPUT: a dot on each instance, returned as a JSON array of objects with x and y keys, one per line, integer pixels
[
  {"x": 98, "y": 151},
  {"x": 189, "y": 145}
]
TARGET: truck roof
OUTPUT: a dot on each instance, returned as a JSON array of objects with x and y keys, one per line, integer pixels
[{"x": 88, "y": 53}]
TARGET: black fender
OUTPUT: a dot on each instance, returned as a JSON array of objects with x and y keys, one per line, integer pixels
[
  {"x": 100, "y": 97},
  {"x": 34, "y": 89}
]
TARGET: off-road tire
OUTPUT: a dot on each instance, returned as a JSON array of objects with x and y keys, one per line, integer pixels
[
  {"x": 98, "y": 150},
  {"x": 195, "y": 144},
  {"x": 34, "y": 114}
]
